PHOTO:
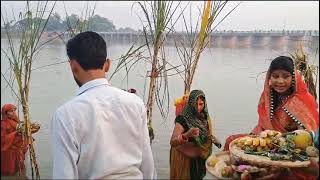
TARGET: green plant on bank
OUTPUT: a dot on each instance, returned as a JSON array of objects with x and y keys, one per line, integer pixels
[
  {"x": 21, "y": 57},
  {"x": 193, "y": 43},
  {"x": 309, "y": 71}
]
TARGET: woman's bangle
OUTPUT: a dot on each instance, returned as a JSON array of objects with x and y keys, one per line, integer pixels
[
  {"x": 184, "y": 138},
  {"x": 181, "y": 139}
]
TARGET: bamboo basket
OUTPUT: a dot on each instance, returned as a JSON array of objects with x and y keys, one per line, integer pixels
[{"x": 263, "y": 161}]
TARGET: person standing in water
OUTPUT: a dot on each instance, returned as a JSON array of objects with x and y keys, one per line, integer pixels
[
  {"x": 102, "y": 133},
  {"x": 285, "y": 104},
  {"x": 191, "y": 140},
  {"x": 13, "y": 148}
]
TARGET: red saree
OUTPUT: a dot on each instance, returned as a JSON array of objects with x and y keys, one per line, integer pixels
[{"x": 12, "y": 148}]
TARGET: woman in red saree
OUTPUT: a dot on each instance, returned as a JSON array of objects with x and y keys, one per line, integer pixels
[
  {"x": 285, "y": 104},
  {"x": 13, "y": 149}
]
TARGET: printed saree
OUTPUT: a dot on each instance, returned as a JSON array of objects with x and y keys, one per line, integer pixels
[{"x": 181, "y": 166}]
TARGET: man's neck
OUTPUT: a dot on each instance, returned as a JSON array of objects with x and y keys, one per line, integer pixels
[{"x": 92, "y": 75}]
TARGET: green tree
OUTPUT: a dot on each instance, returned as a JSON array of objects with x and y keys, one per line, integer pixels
[
  {"x": 71, "y": 21},
  {"x": 98, "y": 23},
  {"x": 126, "y": 29},
  {"x": 23, "y": 23},
  {"x": 54, "y": 23}
]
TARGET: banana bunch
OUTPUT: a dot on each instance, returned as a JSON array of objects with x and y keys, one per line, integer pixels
[
  {"x": 270, "y": 134},
  {"x": 278, "y": 146},
  {"x": 255, "y": 143},
  {"x": 262, "y": 142}
]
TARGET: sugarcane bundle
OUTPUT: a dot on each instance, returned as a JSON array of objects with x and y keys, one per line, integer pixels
[
  {"x": 159, "y": 16},
  {"x": 309, "y": 71}
]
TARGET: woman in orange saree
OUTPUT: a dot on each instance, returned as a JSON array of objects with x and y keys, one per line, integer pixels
[{"x": 285, "y": 104}]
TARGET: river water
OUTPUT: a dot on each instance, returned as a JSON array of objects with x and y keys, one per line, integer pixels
[{"x": 228, "y": 76}]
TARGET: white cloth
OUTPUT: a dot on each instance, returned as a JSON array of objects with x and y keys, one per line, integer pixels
[{"x": 101, "y": 134}]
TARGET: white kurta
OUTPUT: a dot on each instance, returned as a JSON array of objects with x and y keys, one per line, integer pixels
[{"x": 101, "y": 134}]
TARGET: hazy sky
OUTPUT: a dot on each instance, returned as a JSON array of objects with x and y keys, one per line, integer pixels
[{"x": 249, "y": 15}]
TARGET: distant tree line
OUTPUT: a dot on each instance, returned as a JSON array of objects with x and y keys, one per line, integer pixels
[{"x": 56, "y": 23}]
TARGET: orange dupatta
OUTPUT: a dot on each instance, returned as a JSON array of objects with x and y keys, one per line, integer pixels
[{"x": 300, "y": 107}]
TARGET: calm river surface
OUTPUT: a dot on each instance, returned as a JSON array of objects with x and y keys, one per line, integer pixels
[{"x": 228, "y": 76}]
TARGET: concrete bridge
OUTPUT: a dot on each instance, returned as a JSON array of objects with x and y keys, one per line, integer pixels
[{"x": 225, "y": 39}]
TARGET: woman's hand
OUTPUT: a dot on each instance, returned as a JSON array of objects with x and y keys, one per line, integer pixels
[
  {"x": 312, "y": 169},
  {"x": 193, "y": 132},
  {"x": 215, "y": 141},
  {"x": 35, "y": 127},
  {"x": 20, "y": 128}
]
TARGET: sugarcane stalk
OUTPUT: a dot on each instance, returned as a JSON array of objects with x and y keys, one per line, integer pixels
[
  {"x": 29, "y": 140},
  {"x": 158, "y": 21},
  {"x": 190, "y": 61},
  {"x": 152, "y": 85}
]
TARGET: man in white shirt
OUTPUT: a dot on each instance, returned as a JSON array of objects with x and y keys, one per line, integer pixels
[{"x": 102, "y": 133}]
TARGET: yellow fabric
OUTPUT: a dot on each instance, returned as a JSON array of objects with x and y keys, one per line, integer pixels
[
  {"x": 179, "y": 165},
  {"x": 205, "y": 149}
]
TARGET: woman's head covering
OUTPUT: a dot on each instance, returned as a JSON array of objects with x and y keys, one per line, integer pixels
[
  {"x": 280, "y": 63},
  {"x": 5, "y": 109},
  {"x": 283, "y": 63},
  {"x": 194, "y": 118},
  {"x": 300, "y": 106}
]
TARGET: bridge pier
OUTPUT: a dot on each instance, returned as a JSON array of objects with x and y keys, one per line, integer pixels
[
  {"x": 293, "y": 42},
  {"x": 215, "y": 41},
  {"x": 108, "y": 38},
  {"x": 243, "y": 41},
  {"x": 228, "y": 41},
  {"x": 277, "y": 42},
  {"x": 315, "y": 40},
  {"x": 259, "y": 41}
]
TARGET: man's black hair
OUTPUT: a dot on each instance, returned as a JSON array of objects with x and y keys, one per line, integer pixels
[{"x": 88, "y": 49}]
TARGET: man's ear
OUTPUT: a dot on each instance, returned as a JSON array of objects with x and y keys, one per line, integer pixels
[
  {"x": 107, "y": 65},
  {"x": 74, "y": 65}
]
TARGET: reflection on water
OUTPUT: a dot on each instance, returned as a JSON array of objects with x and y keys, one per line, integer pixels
[{"x": 228, "y": 76}]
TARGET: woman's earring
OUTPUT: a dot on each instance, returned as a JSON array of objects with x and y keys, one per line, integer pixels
[{"x": 293, "y": 80}]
